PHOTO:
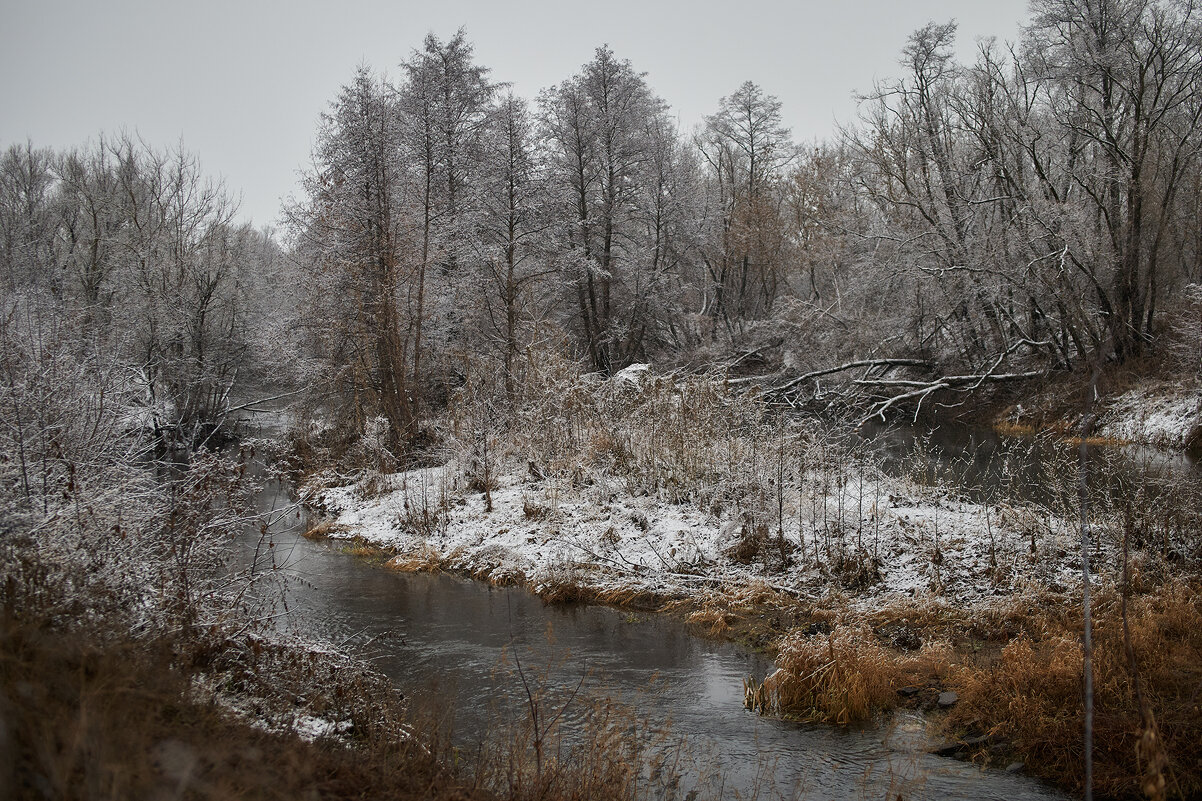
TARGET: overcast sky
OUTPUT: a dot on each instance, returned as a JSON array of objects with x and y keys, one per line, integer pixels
[{"x": 243, "y": 82}]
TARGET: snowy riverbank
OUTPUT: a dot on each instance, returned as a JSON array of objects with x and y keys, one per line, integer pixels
[
  {"x": 1163, "y": 415},
  {"x": 881, "y": 540}
]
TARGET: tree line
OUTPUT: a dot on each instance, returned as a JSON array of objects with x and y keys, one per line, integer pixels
[
  {"x": 122, "y": 252},
  {"x": 1035, "y": 208},
  {"x": 1038, "y": 205}
]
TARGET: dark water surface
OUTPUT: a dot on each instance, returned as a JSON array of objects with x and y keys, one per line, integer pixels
[
  {"x": 984, "y": 466},
  {"x": 422, "y": 629}
]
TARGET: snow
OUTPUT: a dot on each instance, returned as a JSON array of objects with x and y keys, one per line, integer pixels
[
  {"x": 546, "y": 532},
  {"x": 311, "y": 727},
  {"x": 1161, "y": 415},
  {"x": 632, "y": 375}
]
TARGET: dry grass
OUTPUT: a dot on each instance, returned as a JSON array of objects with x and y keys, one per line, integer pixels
[
  {"x": 122, "y": 720},
  {"x": 570, "y": 587},
  {"x": 533, "y": 510},
  {"x": 713, "y": 618},
  {"x": 749, "y": 612},
  {"x": 1031, "y": 696},
  {"x": 324, "y": 529},
  {"x": 1008, "y": 427},
  {"x": 423, "y": 559},
  {"x": 1106, "y": 442},
  {"x": 367, "y": 550},
  {"x": 843, "y": 676},
  {"x": 1017, "y": 667}
]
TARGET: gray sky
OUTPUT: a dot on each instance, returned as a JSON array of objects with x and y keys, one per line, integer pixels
[{"x": 243, "y": 83}]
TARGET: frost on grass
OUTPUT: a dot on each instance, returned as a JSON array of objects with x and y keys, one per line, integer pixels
[
  {"x": 546, "y": 532},
  {"x": 670, "y": 487}
]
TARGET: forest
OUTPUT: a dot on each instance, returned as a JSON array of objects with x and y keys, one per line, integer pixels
[{"x": 560, "y": 343}]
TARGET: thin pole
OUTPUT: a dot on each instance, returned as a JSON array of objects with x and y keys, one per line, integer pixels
[{"x": 1087, "y": 639}]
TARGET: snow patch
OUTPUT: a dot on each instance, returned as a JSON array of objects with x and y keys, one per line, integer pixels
[
  {"x": 1162, "y": 416},
  {"x": 878, "y": 539}
]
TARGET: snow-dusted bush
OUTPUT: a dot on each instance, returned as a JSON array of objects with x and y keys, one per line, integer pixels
[
  {"x": 1185, "y": 334},
  {"x": 89, "y": 527}
]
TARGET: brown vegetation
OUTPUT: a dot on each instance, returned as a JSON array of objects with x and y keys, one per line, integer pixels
[
  {"x": 842, "y": 675},
  {"x": 1031, "y": 696},
  {"x": 123, "y": 719},
  {"x": 1017, "y": 669}
]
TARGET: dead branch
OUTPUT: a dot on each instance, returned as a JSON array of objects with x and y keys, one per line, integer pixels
[
  {"x": 801, "y": 379},
  {"x": 922, "y": 389}
]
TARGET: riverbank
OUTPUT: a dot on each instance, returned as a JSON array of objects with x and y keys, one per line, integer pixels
[
  {"x": 878, "y": 539},
  {"x": 1158, "y": 409},
  {"x": 115, "y": 717},
  {"x": 228, "y": 696},
  {"x": 872, "y": 591}
]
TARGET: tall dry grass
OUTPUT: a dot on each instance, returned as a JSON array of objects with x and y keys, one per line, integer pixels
[
  {"x": 843, "y": 676},
  {"x": 793, "y": 489},
  {"x": 1031, "y": 696}
]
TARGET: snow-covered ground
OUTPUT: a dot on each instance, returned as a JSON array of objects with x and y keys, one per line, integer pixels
[
  {"x": 898, "y": 539},
  {"x": 1163, "y": 415}
]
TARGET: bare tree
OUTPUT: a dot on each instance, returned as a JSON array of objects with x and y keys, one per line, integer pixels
[
  {"x": 443, "y": 113},
  {"x": 602, "y": 129},
  {"x": 746, "y": 147},
  {"x": 513, "y": 236}
]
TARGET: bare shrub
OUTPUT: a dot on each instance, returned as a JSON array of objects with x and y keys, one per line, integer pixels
[
  {"x": 1185, "y": 333},
  {"x": 423, "y": 502}
]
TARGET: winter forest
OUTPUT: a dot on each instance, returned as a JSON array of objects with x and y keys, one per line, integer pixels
[{"x": 561, "y": 345}]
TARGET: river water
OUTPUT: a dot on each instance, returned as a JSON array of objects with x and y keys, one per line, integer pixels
[
  {"x": 426, "y": 629},
  {"x": 984, "y": 466}
]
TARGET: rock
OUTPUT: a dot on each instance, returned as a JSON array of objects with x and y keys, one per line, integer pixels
[
  {"x": 948, "y": 698},
  {"x": 909, "y": 692},
  {"x": 1015, "y": 767},
  {"x": 958, "y": 748}
]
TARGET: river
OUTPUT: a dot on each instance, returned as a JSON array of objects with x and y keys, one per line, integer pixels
[
  {"x": 984, "y": 466},
  {"x": 422, "y": 629}
]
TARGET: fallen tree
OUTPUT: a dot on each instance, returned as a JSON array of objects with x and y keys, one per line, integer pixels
[{"x": 875, "y": 380}]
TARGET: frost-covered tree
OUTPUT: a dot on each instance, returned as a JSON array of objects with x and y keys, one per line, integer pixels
[
  {"x": 141, "y": 253},
  {"x": 513, "y": 237},
  {"x": 443, "y": 115},
  {"x": 27, "y": 221},
  {"x": 746, "y": 148},
  {"x": 356, "y": 231},
  {"x": 603, "y": 129},
  {"x": 1037, "y": 192}
]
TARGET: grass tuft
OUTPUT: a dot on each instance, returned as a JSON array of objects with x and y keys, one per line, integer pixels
[{"x": 843, "y": 676}]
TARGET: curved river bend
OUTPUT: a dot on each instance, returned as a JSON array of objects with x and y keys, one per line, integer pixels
[{"x": 422, "y": 628}]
